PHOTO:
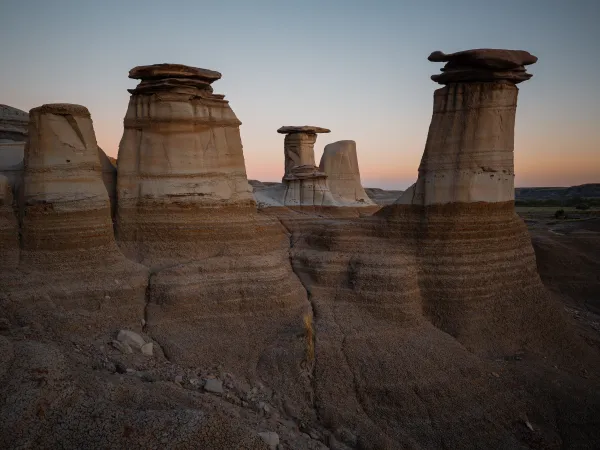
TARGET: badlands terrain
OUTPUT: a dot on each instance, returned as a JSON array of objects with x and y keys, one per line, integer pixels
[{"x": 166, "y": 301}]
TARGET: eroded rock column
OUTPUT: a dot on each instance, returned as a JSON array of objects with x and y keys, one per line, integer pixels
[
  {"x": 66, "y": 205},
  {"x": 340, "y": 163},
  {"x": 181, "y": 150},
  {"x": 222, "y": 290},
  {"x": 468, "y": 156},
  {"x": 70, "y": 268},
  {"x": 305, "y": 184}
]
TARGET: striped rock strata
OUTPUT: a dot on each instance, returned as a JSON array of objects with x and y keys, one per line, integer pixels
[
  {"x": 222, "y": 289},
  {"x": 340, "y": 163},
  {"x": 68, "y": 250},
  {"x": 391, "y": 291}
]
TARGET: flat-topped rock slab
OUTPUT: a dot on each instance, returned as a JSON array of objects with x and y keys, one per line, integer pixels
[
  {"x": 302, "y": 129},
  {"x": 157, "y": 71},
  {"x": 483, "y": 65}
]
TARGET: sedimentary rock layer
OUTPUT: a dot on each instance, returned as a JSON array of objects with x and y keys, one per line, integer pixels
[
  {"x": 340, "y": 163},
  {"x": 181, "y": 149}
]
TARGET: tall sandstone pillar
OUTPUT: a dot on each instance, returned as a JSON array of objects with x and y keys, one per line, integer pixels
[
  {"x": 68, "y": 255},
  {"x": 478, "y": 275},
  {"x": 222, "y": 289}
]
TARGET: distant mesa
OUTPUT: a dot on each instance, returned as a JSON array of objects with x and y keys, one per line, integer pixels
[{"x": 483, "y": 65}]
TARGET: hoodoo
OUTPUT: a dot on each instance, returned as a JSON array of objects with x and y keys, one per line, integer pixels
[
  {"x": 340, "y": 163},
  {"x": 181, "y": 150},
  {"x": 304, "y": 184},
  {"x": 469, "y": 151},
  {"x": 67, "y": 243},
  {"x": 219, "y": 269}
]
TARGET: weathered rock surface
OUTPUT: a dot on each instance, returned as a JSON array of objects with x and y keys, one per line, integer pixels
[
  {"x": 421, "y": 298},
  {"x": 68, "y": 251},
  {"x": 220, "y": 270},
  {"x": 340, "y": 163},
  {"x": 109, "y": 178}
]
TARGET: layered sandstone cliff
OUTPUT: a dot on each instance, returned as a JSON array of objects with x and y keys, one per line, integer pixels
[{"x": 340, "y": 163}]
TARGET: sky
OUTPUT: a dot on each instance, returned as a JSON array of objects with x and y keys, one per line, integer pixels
[{"x": 358, "y": 68}]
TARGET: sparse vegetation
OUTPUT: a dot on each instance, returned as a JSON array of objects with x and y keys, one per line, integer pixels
[{"x": 560, "y": 214}]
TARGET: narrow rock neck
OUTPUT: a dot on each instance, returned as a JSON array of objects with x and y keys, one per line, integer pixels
[
  {"x": 469, "y": 151},
  {"x": 299, "y": 150}
]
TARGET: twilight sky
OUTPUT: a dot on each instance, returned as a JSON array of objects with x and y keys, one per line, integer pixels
[{"x": 357, "y": 67}]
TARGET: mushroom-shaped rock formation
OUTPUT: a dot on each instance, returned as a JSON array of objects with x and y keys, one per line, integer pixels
[
  {"x": 181, "y": 150},
  {"x": 340, "y": 163},
  {"x": 68, "y": 249},
  {"x": 220, "y": 269},
  {"x": 469, "y": 151},
  {"x": 393, "y": 290},
  {"x": 13, "y": 135},
  {"x": 303, "y": 183}
]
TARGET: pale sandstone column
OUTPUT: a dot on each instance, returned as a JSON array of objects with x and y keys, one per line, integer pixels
[
  {"x": 469, "y": 151},
  {"x": 14, "y": 125},
  {"x": 340, "y": 163},
  {"x": 65, "y": 203}
]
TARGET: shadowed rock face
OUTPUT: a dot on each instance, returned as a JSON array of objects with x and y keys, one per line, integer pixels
[
  {"x": 340, "y": 163},
  {"x": 13, "y": 134},
  {"x": 9, "y": 227}
]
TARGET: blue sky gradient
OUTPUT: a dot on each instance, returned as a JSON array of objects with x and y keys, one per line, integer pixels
[{"x": 357, "y": 67}]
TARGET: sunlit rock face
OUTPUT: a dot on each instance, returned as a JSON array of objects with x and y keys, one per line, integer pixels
[
  {"x": 469, "y": 151},
  {"x": 13, "y": 135},
  {"x": 340, "y": 163},
  {"x": 220, "y": 270},
  {"x": 68, "y": 251}
]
